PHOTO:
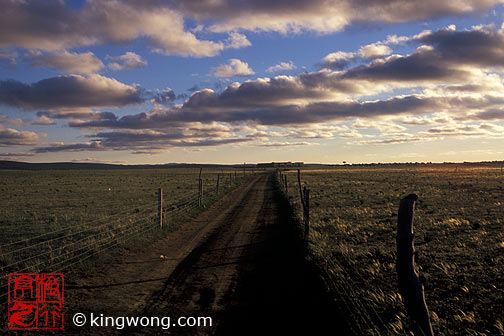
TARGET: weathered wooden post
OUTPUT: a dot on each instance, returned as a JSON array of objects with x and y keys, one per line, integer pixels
[
  {"x": 410, "y": 287},
  {"x": 307, "y": 212},
  {"x": 244, "y": 163},
  {"x": 230, "y": 180},
  {"x": 300, "y": 189},
  {"x": 217, "y": 188},
  {"x": 200, "y": 189},
  {"x": 160, "y": 207},
  {"x": 285, "y": 184}
]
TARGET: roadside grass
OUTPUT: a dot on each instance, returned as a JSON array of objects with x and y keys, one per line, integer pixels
[
  {"x": 53, "y": 220},
  {"x": 459, "y": 237}
]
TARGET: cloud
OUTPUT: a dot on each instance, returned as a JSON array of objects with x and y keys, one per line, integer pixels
[
  {"x": 76, "y": 147},
  {"x": 484, "y": 130},
  {"x": 53, "y": 25},
  {"x": 282, "y": 66},
  {"x": 129, "y": 60},
  {"x": 69, "y": 91},
  {"x": 337, "y": 60},
  {"x": 143, "y": 141},
  {"x": 43, "y": 121},
  {"x": 235, "y": 67},
  {"x": 283, "y": 144},
  {"x": 16, "y": 154},
  {"x": 12, "y": 122},
  {"x": 68, "y": 62},
  {"x": 237, "y": 41},
  {"x": 319, "y": 112},
  {"x": 374, "y": 50},
  {"x": 11, "y": 137},
  {"x": 8, "y": 56},
  {"x": 319, "y": 15},
  {"x": 164, "y": 97}
]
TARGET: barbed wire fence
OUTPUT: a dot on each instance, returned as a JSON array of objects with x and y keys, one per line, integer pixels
[
  {"x": 363, "y": 317},
  {"x": 70, "y": 246}
]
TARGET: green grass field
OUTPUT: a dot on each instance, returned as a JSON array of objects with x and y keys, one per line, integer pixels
[{"x": 459, "y": 236}]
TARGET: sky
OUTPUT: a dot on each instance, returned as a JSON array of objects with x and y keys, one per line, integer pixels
[{"x": 231, "y": 81}]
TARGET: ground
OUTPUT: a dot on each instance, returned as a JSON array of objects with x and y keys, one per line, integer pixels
[{"x": 242, "y": 263}]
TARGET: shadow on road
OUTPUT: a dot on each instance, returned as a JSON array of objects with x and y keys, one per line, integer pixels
[{"x": 280, "y": 292}]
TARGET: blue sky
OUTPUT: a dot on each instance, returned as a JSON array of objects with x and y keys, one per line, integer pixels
[{"x": 228, "y": 81}]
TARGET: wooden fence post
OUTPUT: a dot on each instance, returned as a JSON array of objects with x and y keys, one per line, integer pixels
[
  {"x": 410, "y": 287},
  {"x": 307, "y": 212},
  {"x": 218, "y": 180},
  {"x": 285, "y": 185},
  {"x": 230, "y": 178},
  {"x": 200, "y": 189},
  {"x": 300, "y": 189},
  {"x": 160, "y": 207}
]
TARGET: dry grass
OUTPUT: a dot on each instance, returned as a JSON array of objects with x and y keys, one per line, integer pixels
[
  {"x": 86, "y": 211},
  {"x": 459, "y": 235}
]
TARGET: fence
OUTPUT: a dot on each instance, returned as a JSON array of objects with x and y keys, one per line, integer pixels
[
  {"x": 366, "y": 320},
  {"x": 63, "y": 248}
]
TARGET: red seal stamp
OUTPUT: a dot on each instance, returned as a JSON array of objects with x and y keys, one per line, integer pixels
[{"x": 36, "y": 301}]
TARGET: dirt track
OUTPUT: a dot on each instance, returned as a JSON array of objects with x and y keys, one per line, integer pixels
[{"x": 240, "y": 263}]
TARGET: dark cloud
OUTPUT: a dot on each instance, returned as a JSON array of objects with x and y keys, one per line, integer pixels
[
  {"x": 86, "y": 115},
  {"x": 70, "y": 91},
  {"x": 140, "y": 143},
  {"x": 319, "y": 112},
  {"x": 164, "y": 97},
  {"x": 493, "y": 114},
  {"x": 79, "y": 147},
  {"x": 423, "y": 64},
  {"x": 482, "y": 47},
  {"x": 319, "y": 15},
  {"x": 53, "y": 25}
]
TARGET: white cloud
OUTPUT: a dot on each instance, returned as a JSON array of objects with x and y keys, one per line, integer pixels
[
  {"x": 282, "y": 66},
  {"x": 374, "y": 50},
  {"x": 68, "y": 62},
  {"x": 237, "y": 41},
  {"x": 129, "y": 60},
  {"x": 235, "y": 67}
]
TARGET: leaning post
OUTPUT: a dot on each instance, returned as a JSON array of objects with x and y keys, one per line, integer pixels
[{"x": 410, "y": 286}]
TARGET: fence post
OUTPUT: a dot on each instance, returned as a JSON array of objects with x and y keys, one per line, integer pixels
[
  {"x": 307, "y": 211},
  {"x": 230, "y": 177},
  {"x": 200, "y": 189},
  {"x": 410, "y": 287},
  {"x": 285, "y": 184},
  {"x": 218, "y": 180},
  {"x": 300, "y": 190},
  {"x": 160, "y": 207}
]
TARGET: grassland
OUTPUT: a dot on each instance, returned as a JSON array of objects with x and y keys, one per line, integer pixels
[
  {"x": 459, "y": 237},
  {"x": 54, "y": 219}
]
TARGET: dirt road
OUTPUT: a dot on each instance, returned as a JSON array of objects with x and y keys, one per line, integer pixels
[{"x": 239, "y": 263}]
